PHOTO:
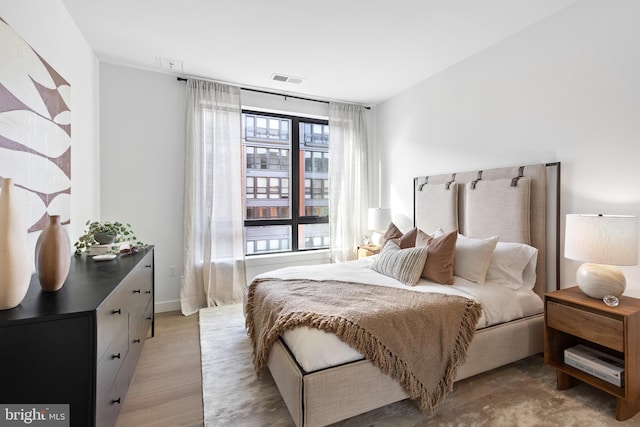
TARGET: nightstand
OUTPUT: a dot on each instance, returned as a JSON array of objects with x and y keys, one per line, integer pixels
[
  {"x": 571, "y": 318},
  {"x": 367, "y": 250}
]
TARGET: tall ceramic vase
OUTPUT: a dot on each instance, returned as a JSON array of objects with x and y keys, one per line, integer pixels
[
  {"x": 53, "y": 255},
  {"x": 15, "y": 257}
]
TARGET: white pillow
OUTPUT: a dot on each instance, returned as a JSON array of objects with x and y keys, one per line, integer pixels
[
  {"x": 438, "y": 232},
  {"x": 473, "y": 257},
  {"x": 513, "y": 265}
]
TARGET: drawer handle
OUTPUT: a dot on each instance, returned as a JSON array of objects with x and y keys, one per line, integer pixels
[
  {"x": 118, "y": 311},
  {"x": 147, "y": 266},
  {"x": 149, "y": 318},
  {"x": 147, "y": 292},
  {"x": 136, "y": 340},
  {"x": 116, "y": 356},
  {"x": 136, "y": 291},
  {"x": 115, "y": 401}
]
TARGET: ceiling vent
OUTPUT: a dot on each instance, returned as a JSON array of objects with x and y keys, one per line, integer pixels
[
  {"x": 169, "y": 64},
  {"x": 286, "y": 79}
]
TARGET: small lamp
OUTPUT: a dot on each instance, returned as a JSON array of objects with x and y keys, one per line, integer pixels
[
  {"x": 378, "y": 220},
  {"x": 602, "y": 241}
]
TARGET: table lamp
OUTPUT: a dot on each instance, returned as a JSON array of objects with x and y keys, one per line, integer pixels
[
  {"x": 378, "y": 221},
  {"x": 603, "y": 241}
]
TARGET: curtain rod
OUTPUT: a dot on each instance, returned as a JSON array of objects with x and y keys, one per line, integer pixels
[{"x": 182, "y": 79}]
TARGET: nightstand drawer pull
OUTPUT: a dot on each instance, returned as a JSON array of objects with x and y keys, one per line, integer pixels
[
  {"x": 118, "y": 311},
  {"x": 137, "y": 340},
  {"x": 116, "y": 356},
  {"x": 115, "y": 401},
  {"x": 597, "y": 328},
  {"x": 147, "y": 266},
  {"x": 136, "y": 291}
]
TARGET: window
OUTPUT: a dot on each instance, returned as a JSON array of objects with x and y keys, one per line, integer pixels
[{"x": 286, "y": 183}]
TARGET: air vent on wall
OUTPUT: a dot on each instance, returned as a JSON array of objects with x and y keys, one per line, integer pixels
[{"x": 286, "y": 79}]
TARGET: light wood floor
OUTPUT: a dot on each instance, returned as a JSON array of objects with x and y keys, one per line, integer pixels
[{"x": 166, "y": 389}]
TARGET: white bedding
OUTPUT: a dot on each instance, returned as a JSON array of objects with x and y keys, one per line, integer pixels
[{"x": 315, "y": 349}]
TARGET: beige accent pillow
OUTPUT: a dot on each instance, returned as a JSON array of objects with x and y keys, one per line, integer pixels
[
  {"x": 440, "y": 258},
  {"x": 404, "y": 265},
  {"x": 473, "y": 257}
]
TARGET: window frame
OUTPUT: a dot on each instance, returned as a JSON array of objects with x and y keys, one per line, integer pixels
[{"x": 296, "y": 183}]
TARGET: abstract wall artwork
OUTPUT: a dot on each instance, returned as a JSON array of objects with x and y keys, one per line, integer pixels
[{"x": 35, "y": 130}]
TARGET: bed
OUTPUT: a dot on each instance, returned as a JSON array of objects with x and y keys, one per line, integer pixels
[{"x": 493, "y": 214}]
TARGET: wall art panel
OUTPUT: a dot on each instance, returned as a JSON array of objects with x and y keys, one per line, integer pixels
[{"x": 35, "y": 130}]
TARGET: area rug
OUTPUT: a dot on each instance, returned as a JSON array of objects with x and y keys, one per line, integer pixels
[{"x": 520, "y": 394}]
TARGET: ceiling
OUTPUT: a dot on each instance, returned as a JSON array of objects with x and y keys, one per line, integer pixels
[{"x": 361, "y": 51}]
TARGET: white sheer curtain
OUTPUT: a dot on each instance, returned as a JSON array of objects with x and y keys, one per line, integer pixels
[
  {"x": 348, "y": 177},
  {"x": 214, "y": 268}
]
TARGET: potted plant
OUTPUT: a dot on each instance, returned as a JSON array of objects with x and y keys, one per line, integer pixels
[{"x": 105, "y": 233}]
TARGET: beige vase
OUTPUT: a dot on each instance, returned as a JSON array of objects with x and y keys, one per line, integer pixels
[
  {"x": 16, "y": 262},
  {"x": 53, "y": 255}
]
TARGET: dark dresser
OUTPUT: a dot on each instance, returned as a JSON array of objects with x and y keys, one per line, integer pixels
[{"x": 80, "y": 345}]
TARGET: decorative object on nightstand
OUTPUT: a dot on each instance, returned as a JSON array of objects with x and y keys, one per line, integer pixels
[
  {"x": 573, "y": 320},
  {"x": 368, "y": 250},
  {"x": 378, "y": 220},
  {"x": 603, "y": 241}
]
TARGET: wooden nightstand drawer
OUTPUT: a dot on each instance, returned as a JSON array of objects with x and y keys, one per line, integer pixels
[{"x": 599, "y": 329}]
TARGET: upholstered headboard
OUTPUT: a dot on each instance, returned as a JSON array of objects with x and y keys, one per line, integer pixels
[{"x": 518, "y": 204}]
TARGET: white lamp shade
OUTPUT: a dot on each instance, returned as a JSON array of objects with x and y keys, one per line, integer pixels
[
  {"x": 601, "y": 239},
  {"x": 379, "y": 218}
]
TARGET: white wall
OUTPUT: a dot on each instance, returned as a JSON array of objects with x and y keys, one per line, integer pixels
[
  {"x": 142, "y": 116},
  {"x": 565, "y": 89},
  {"x": 48, "y": 28}
]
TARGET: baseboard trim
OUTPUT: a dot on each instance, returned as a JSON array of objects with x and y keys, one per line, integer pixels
[{"x": 164, "y": 306}]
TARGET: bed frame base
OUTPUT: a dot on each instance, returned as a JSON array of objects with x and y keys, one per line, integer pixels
[{"x": 330, "y": 395}]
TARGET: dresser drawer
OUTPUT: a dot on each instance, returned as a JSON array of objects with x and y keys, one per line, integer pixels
[
  {"x": 111, "y": 361},
  {"x": 140, "y": 299},
  {"x": 140, "y": 325},
  {"x": 109, "y": 403},
  {"x": 141, "y": 277},
  {"x": 603, "y": 330},
  {"x": 140, "y": 285},
  {"x": 139, "y": 331},
  {"x": 112, "y": 316}
]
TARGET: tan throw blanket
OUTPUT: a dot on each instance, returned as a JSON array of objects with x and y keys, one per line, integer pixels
[{"x": 420, "y": 339}]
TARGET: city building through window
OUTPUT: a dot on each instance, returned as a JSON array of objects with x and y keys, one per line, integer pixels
[{"x": 286, "y": 176}]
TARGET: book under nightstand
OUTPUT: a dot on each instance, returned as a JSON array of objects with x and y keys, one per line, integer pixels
[{"x": 596, "y": 363}]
